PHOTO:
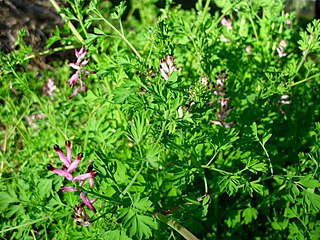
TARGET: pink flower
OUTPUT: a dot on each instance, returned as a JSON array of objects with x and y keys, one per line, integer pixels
[
  {"x": 167, "y": 66},
  {"x": 83, "y": 177},
  {"x": 48, "y": 89},
  {"x": 88, "y": 202},
  {"x": 69, "y": 189},
  {"x": 227, "y": 23},
  {"x": 281, "y": 48},
  {"x": 61, "y": 172},
  {"x": 65, "y": 159},
  {"x": 248, "y": 49},
  {"x": 80, "y": 73},
  {"x": 69, "y": 166},
  {"x": 223, "y": 113}
]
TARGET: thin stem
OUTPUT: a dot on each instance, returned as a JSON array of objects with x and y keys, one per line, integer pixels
[
  {"x": 176, "y": 226},
  {"x": 72, "y": 28},
  {"x": 214, "y": 156},
  {"x": 120, "y": 34},
  {"x": 24, "y": 225},
  {"x": 217, "y": 170},
  {"x": 49, "y": 51},
  {"x": 162, "y": 131},
  {"x": 266, "y": 152},
  {"x": 125, "y": 191}
]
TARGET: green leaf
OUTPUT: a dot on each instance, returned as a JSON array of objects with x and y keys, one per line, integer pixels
[
  {"x": 266, "y": 138},
  {"x": 313, "y": 199},
  {"x": 229, "y": 184},
  {"x": 138, "y": 128},
  {"x": 308, "y": 182},
  {"x": 13, "y": 209},
  {"x": 249, "y": 214},
  {"x": 116, "y": 235},
  {"x": 7, "y": 198},
  {"x": 45, "y": 186},
  {"x": 141, "y": 204},
  {"x": 254, "y": 129},
  {"x": 257, "y": 188},
  {"x": 289, "y": 213},
  {"x": 137, "y": 225}
]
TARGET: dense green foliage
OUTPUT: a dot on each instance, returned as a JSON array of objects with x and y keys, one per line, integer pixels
[{"x": 223, "y": 138}]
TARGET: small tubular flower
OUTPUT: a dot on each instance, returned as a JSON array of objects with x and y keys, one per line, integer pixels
[
  {"x": 69, "y": 166},
  {"x": 80, "y": 73},
  {"x": 48, "y": 89},
  {"x": 65, "y": 159},
  {"x": 90, "y": 173},
  {"x": 167, "y": 66},
  {"x": 75, "y": 163},
  {"x": 69, "y": 189},
  {"x": 60, "y": 172},
  {"x": 88, "y": 202}
]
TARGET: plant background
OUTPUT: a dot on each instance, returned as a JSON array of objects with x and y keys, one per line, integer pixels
[{"x": 258, "y": 179}]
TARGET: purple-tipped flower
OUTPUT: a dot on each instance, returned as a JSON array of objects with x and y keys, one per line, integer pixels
[
  {"x": 167, "y": 66},
  {"x": 68, "y": 167},
  {"x": 69, "y": 189},
  {"x": 48, "y": 89},
  {"x": 65, "y": 159},
  {"x": 61, "y": 172},
  {"x": 223, "y": 113},
  {"x": 227, "y": 23},
  {"x": 88, "y": 202},
  {"x": 284, "y": 100},
  {"x": 80, "y": 215},
  {"x": 90, "y": 173},
  {"x": 77, "y": 76},
  {"x": 281, "y": 48}
]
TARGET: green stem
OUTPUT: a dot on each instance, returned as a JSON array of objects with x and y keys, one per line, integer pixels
[
  {"x": 125, "y": 191},
  {"x": 24, "y": 225},
  {"x": 49, "y": 51},
  {"x": 72, "y": 28},
  {"x": 120, "y": 34},
  {"x": 214, "y": 156},
  {"x": 176, "y": 226},
  {"x": 162, "y": 131},
  {"x": 267, "y": 154},
  {"x": 217, "y": 170}
]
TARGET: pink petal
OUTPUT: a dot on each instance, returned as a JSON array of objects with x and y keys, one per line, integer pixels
[
  {"x": 87, "y": 201},
  {"x": 82, "y": 177},
  {"x": 83, "y": 86},
  {"x": 62, "y": 157},
  {"x": 75, "y": 163},
  {"x": 69, "y": 189},
  {"x": 69, "y": 153},
  {"x": 74, "y": 66},
  {"x": 73, "y": 80},
  {"x": 74, "y": 93},
  {"x": 215, "y": 122},
  {"x": 164, "y": 74},
  {"x": 62, "y": 173},
  {"x": 84, "y": 62}
]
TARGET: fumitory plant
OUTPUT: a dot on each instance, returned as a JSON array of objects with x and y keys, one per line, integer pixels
[{"x": 197, "y": 123}]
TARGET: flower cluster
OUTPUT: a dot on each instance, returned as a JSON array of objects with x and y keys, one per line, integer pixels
[
  {"x": 80, "y": 74},
  {"x": 167, "y": 67},
  {"x": 281, "y": 48},
  {"x": 223, "y": 113},
  {"x": 227, "y": 23},
  {"x": 284, "y": 100},
  {"x": 48, "y": 89},
  {"x": 67, "y": 171},
  {"x": 218, "y": 90}
]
